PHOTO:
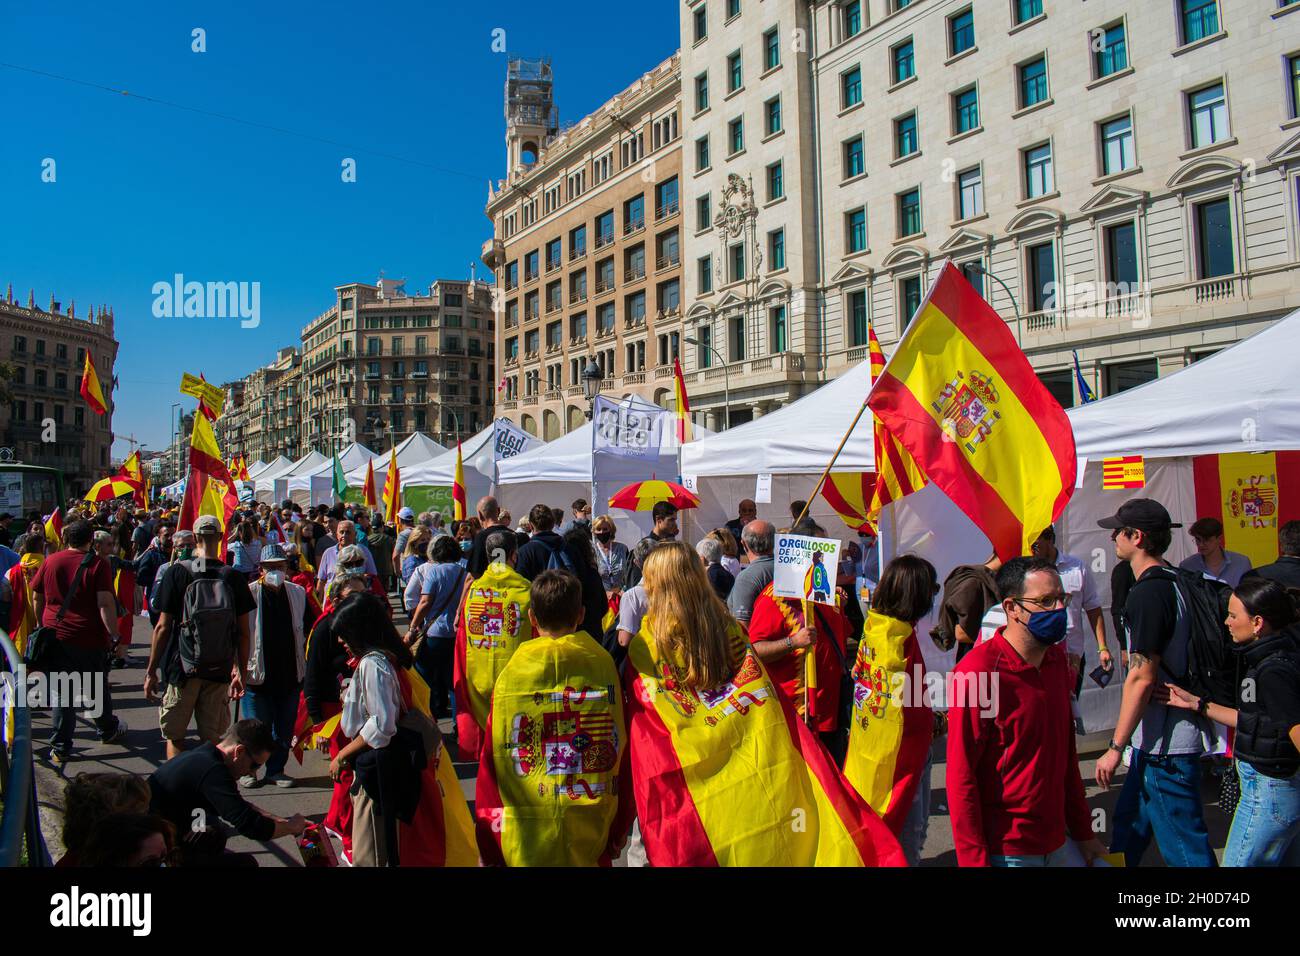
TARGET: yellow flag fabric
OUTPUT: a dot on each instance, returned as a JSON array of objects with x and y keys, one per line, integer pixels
[
  {"x": 205, "y": 392},
  {"x": 392, "y": 490},
  {"x": 458, "y": 826},
  {"x": 548, "y": 788},
  {"x": 889, "y": 734},
  {"x": 731, "y": 777},
  {"x": 492, "y": 625}
]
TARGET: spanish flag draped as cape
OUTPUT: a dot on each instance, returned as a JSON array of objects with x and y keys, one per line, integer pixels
[
  {"x": 775, "y": 618},
  {"x": 732, "y": 777},
  {"x": 548, "y": 791},
  {"x": 889, "y": 738},
  {"x": 492, "y": 623}
]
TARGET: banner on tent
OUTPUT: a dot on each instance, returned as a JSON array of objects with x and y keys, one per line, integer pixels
[
  {"x": 508, "y": 439},
  {"x": 431, "y": 498},
  {"x": 629, "y": 431},
  {"x": 805, "y": 568},
  {"x": 1252, "y": 494}
]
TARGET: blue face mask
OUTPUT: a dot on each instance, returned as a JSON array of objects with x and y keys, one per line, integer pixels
[
  {"x": 466, "y": 546},
  {"x": 1049, "y": 627}
]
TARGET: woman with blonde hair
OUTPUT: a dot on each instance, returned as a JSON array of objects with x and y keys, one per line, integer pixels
[
  {"x": 720, "y": 763},
  {"x": 730, "y": 553}
]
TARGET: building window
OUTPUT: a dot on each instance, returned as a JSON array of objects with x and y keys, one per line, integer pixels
[
  {"x": 974, "y": 274},
  {"x": 737, "y": 253},
  {"x": 1293, "y": 75},
  {"x": 1214, "y": 256},
  {"x": 903, "y": 58},
  {"x": 905, "y": 138},
  {"x": 779, "y": 336},
  {"x": 1026, "y": 10},
  {"x": 910, "y": 298},
  {"x": 605, "y": 318},
  {"x": 1122, "y": 376},
  {"x": 634, "y": 214},
  {"x": 701, "y": 92},
  {"x": 1208, "y": 115},
  {"x": 702, "y": 154},
  {"x": 852, "y": 13},
  {"x": 851, "y": 88},
  {"x": 530, "y": 265},
  {"x": 1200, "y": 19},
  {"x": 1038, "y": 171},
  {"x": 771, "y": 49},
  {"x": 735, "y": 74},
  {"x": 854, "y": 160},
  {"x": 970, "y": 193},
  {"x": 1042, "y": 277},
  {"x": 736, "y": 135},
  {"x": 20, "y": 347},
  {"x": 701, "y": 22},
  {"x": 966, "y": 110},
  {"x": 775, "y": 181},
  {"x": 776, "y": 249},
  {"x": 738, "y": 339},
  {"x": 733, "y": 8},
  {"x": 1111, "y": 54},
  {"x": 856, "y": 230},
  {"x": 909, "y": 213},
  {"x": 704, "y": 212},
  {"x": 704, "y": 351},
  {"x": 666, "y": 199},
  {"x": 577, "y": 242},
  {"x": 705, "y": 266},
  {"x": 858, "y": 317},
  {"x": 772, "y": 115},
  {"x": 1117, "y": 145},
  {"x": 554, "y": 255},
  {"x": 961, "y": 32},
  {"x": 1121, "y": 257},
  {"x": 1033, "y": 82}
]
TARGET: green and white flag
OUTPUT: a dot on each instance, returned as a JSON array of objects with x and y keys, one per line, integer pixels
[{"x": 340, "y": 481}]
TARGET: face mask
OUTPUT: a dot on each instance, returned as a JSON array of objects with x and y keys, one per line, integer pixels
[
  {"x": 466, "y": 545},
  {"x": 184, "y": 554},
  {"x": 274, "y": 578},
  {"x": 1049, "y": 627},
  {"x": 604, "y": 537}
]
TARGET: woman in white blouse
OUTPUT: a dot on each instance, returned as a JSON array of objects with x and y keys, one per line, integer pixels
[
  {"x": 611, "y": 556},
  {"x": 396, "y": 808}
]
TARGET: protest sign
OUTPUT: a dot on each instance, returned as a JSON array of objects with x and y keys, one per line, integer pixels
[{"x": 805, "y": 568}]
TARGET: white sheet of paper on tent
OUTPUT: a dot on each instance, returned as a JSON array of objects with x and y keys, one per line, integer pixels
[{"x": 763, "y": 490}]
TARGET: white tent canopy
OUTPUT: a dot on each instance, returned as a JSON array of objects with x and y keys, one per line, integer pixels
[
  {"x": 272, "y": 485},
  {"x": 415, "y": 450},
  {"x": 273, "y": 470},
  {"x": 257, "y": 467},
  {"x": 354, "y": 456},
  {"x": 442, "y": 469}
]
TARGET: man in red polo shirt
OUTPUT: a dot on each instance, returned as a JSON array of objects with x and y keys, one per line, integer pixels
[{"x": 1014, "y": 790}]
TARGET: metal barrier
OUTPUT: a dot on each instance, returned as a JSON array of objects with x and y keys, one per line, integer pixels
[{"x": 21, "y": 820}]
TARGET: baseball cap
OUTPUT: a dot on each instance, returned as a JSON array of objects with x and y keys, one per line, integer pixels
[
  {"x": 406, "y": 514},
  {"x": 207, "y": 524},
  {"x": 1140, "y": 514},
  {"x": 273, "y": 552}
]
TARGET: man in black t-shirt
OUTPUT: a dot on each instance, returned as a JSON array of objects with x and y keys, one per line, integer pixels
[
  {"x": 204, "y": 696},
  {"x": 196, "y": 790}
]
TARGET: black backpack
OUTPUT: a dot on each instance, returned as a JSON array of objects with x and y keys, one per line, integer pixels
[
  {"x": 208, "y": 635},
  {"x": 1206, "y": 666}
]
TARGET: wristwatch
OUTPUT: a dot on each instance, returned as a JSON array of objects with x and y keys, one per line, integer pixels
[
  {"x": 789, "y": 643},
  {"x": 1114, "y": 746}
]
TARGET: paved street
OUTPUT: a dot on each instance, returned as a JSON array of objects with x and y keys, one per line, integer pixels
[{"x": 142, "y": 752}]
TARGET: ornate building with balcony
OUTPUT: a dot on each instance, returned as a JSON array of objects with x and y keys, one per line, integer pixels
[
  {"x": 586, "y": 248},
  {"x": 48, "y": 422},
  {"x": 270, "y": 410}
]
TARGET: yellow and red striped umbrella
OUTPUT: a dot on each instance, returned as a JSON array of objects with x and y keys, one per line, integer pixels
[
  {"x": 107, "y": 489},
  {"x": 644, "y": 495}
]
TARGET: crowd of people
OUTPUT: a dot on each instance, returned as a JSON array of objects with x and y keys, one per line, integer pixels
[{"x": 294, "y": 612}]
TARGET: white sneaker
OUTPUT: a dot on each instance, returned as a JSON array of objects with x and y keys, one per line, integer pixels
[
  {"x": 249, "y": 782},
  {"x": 281, "y": 780}
]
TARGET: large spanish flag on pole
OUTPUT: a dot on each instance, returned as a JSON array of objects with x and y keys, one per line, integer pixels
[
  {"x": 964, "y": 402},
  {"x": 685, "y": 431},
  {"x": 131, "y": 469},
  {"x": 210, "y": 490},
  {"x": 897, "y": 474},
  {"x": 459, "y": 505},
  {"x": 730, "y": 776},
  {"x": 392, "y": 490},
  {"x": 90, "y": 387}
]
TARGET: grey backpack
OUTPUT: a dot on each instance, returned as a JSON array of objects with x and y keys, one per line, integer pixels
[{"x": 208, "y": 635}]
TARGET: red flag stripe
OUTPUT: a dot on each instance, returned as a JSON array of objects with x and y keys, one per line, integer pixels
[{"x": 915, "y": 428}]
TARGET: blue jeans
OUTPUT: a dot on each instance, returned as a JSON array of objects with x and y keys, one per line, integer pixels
[
  {"x": 1162, "y": 798},
  {"x": 1058, "y": 857},
  {"x": 277, "y": 711},
  {"x": 917, "y": 823},
  {"x": 1267, "y": 816}
]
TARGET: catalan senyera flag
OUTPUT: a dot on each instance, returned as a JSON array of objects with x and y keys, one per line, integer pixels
[
  {"x": 90, "y": 387},
  {"x": 889, "y": 739},
  {"x": 719, "y": 775},
  {"x": 54, "y": 529},
  {"x": 1252, "y": 494},
  {"x": 548, "y": 789},
  {"x": 392, "y": 490},
  {"x": 849, "y": 494},
  {"x": 459, "y": 504},
  {"x": 685, "y": 430},
  {"x": 492, "y": 623},
  {"x": 964, "y": 402},
  {"x": 897, "y": 474},
  {"x": 368, "y": 492},
  {"x": 1127, "y": 471}
]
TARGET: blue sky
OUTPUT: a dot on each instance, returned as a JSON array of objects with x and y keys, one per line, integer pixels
[{"x": 144, "y": 191}]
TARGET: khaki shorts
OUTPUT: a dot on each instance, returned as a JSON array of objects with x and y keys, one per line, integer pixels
[{"x": 207, "y": 701}]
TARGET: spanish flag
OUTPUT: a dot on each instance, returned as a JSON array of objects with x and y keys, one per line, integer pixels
[
  {"x": 889, "y": 737},
  {"x": 1253, "y": 494},
  {"x": 685, "y": 432},
  {"x": 243, "y": 469},
  {"x": 730, "y": 776},
  {"x": 897, "y": 475},
  {"x": 368, "y": 492},
  {"x": 459, "y": 506},
  {"x": 964, "y": 402},
  {"x": 210, "y": 490},
  {"x": 548, "y": 790},
  {"x": 493, "y": 622},
  {"x": 54, "y": 529},
  {"x": 90, "y": 389},
  {"x": 131, "y": 470},
  {"x": 392, "y": 490}
]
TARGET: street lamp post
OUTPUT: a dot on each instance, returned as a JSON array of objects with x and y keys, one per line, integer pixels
[
  {"x": 726, "y": 380},
  {"x": 982, "y": 271},
  {"x": 591, "y": 379},
  {"x": 176, "y": 443}
]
